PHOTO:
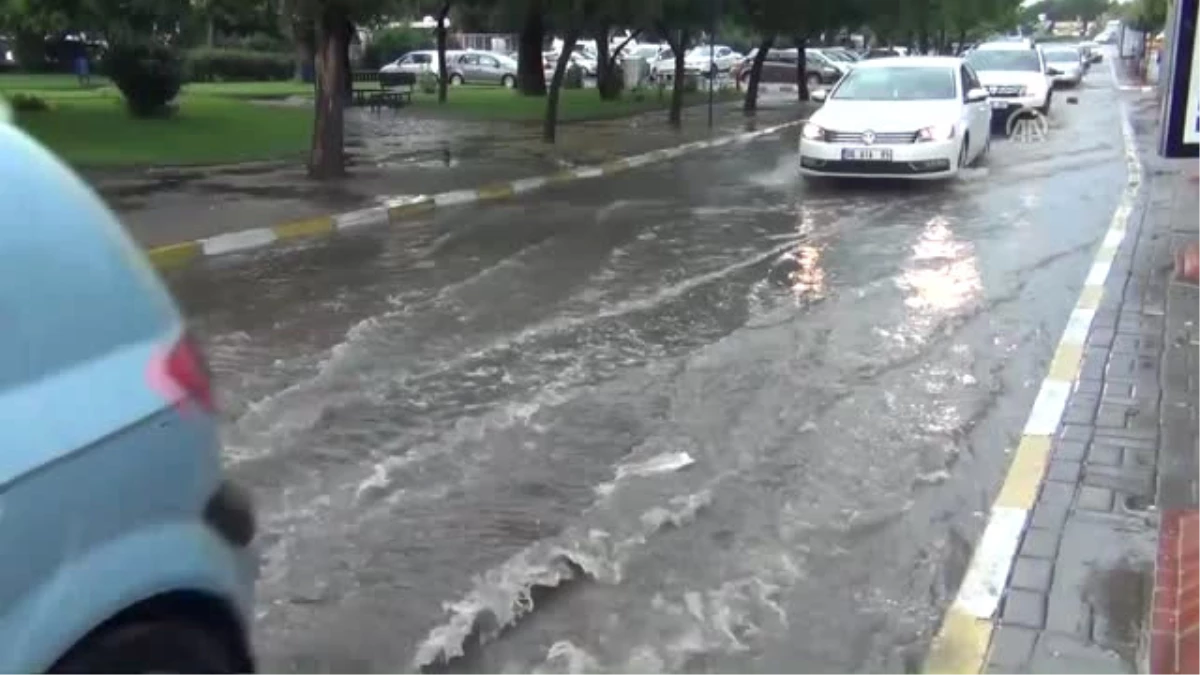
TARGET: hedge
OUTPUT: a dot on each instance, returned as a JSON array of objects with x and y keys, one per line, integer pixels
[{"x": 208, "y": 64}]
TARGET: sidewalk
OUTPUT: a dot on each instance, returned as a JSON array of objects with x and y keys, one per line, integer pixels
[
  {"x": 1092, "y": 565},
  {"x": 396, "y": 155}
]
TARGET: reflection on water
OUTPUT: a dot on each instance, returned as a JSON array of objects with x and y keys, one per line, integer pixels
[
  {"x": 942, "y": 274},
  {"x": 807, "y": 281}
]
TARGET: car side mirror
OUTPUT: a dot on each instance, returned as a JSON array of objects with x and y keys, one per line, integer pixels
[
  {"x": 976, "y": 95},
  {"x": 1053, "y": 71},
  {"x": 819, "y": 95}
]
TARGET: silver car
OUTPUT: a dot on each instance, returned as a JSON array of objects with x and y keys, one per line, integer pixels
[
  {"x": 1067, "y": 61},
  {"x": 421, "y": 61},
  {"x": 483, "y": 68}
]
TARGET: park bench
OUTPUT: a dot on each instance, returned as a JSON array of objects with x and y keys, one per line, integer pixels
[{"x": 394, "y": 90}]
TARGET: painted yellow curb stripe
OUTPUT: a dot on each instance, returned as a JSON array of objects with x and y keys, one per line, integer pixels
[
  {"x": 309, "y": 227},
  {"x": 1020, "y": 489},
  {"x": 961, "y": 646},
  {"x": 1091, "y": 297},
  {"x": 175, "y": 255},
  {"x": 498, "y": 191},
  {"x": 614, "y": 166},
  {"x": 1065, "y": 365}
]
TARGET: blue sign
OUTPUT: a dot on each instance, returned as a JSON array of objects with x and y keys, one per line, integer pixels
[{"x": 1181, "y": 111}]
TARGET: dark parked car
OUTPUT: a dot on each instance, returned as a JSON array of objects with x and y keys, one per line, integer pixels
[{"x": 780, "y": 68}]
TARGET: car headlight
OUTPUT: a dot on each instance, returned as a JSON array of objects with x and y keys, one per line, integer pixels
[
  {"x": 812, "y": 132},
  {"x": 937, "y": 132}
]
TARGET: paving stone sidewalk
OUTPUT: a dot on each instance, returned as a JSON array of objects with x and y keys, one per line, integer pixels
[
  {"x": 394, "y": 155},
  {"x": 1079, "y": 595}
]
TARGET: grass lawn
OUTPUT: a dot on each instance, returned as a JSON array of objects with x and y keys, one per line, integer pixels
[{"x": 88, "y": 126}]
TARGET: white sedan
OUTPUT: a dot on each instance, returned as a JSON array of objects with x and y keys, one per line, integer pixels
[{"x": 922, "y": 117}]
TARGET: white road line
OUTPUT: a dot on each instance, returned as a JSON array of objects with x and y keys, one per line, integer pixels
[
  {"x": 237, "y": 241},
  {"x": 1048, "y": 408},
  {"x": 987, "y": 574}
]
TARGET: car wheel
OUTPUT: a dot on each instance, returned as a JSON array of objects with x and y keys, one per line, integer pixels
[
  {"x": 813, "y": 81},
  {"x": 456, "y": 80},
  {"x": 151, "y": 647},
  {"x": 508, "y": 81},
  {"x": 964, "y": 153},
  {"x": 1045, "y": 109}
]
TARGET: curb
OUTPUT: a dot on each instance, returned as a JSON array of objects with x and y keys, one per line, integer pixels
[
  {"x": 174, "y": 256},
  {"x": 963, "y": 641}
]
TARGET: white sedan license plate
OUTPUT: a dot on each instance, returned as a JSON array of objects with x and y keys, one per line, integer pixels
[
  {"x": 999, "y": 105},
  {"x": 867, "y": 154}
]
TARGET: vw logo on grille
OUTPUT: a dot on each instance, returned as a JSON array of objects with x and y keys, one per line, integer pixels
[{"x": 868, "y": 137}]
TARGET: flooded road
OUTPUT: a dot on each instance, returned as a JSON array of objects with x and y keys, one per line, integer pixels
[{"x": 700, "y": 416}]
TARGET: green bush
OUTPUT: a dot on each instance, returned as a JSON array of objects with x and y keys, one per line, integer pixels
[
  {"x": 255, "y": 42},
  {"x": 148, "y": 74},
  {"x": 428, "y": 82},
  {"x": 389, "y": 44},
  {"x": 232, "y": 65}
]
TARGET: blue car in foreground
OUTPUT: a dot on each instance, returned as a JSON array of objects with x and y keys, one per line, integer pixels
[{"x": 123, "y": 547}]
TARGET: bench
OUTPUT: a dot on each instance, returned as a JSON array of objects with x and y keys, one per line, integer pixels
[{"x": 394, "y": 90}]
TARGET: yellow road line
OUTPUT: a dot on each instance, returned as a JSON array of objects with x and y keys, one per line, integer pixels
[
  {"x": 309, "y": 227},
  {"x": 175, "y": 255}
]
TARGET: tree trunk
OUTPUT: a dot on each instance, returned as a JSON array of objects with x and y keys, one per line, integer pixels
[
  {"x": 328, "y": 140},
  {"x": 675, "y": 117},
  {"x": 604, "y": 66},
  {"x": 531, "y": 77},
  {"x": 962, "y": 41},
  {"x": 610, "y": 83},
  {"x": 211, "y": 38},
  {"x": 750, "y": 104},
  {"x": 802, "y": 92},
  {"x": 550, "y": 123},
  {"x": 443, "y": 76},
  {"x": 347, "y": 83}
]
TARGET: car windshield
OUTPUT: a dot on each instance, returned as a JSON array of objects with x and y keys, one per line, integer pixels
[
  {"x": 839, "y": 56},
  {"x": 1061, "y": 55},
  {"x": 909, "y": 83},
  {"x": 1005, "y": 59}
]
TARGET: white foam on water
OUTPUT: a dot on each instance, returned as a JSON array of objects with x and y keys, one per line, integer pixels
[
  {"x": 666, "y": 462},
  {"x": 565, "y": 657},
  {"x": 503, "y": 595}
]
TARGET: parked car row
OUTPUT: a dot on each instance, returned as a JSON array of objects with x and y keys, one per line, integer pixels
[
  {"x": 821, "y": 68},
  {"x": 462, "y": 66}
]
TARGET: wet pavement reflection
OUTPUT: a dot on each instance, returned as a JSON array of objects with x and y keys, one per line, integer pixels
[{"x": 700, "y": 416}]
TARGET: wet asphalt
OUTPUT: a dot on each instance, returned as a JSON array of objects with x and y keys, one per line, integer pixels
[{"x": 700, "y": 416}]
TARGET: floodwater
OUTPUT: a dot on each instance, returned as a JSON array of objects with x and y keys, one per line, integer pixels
[{"x": 700, "y": 416}]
